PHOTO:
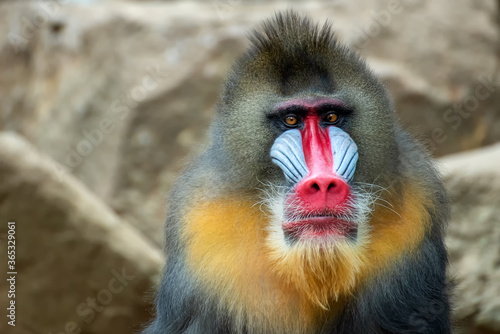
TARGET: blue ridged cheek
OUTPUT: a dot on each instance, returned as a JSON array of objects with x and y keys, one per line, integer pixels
[
  {"x": 345, "y": 153},
  {"x": 288, "y": 154}
]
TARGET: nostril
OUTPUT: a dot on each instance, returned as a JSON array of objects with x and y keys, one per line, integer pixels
[{"x": 322, "y": 191}]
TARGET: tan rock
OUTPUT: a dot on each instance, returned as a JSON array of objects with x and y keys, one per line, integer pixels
[
  {"x": 71, "y": 251},
  {"x": 473, "y": 182}
]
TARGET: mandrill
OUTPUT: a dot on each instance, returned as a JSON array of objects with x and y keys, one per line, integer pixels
[{"x": 310, "y": 211}]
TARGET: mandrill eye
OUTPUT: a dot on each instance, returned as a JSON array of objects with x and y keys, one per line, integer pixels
[
  {"x": 291, "y": 120},
  {"x": 331, "y": 118}
]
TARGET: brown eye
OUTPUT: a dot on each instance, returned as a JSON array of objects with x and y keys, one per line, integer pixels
[
  {"x": 291, "y": 120},
  {"x": 331, "y": 117}
]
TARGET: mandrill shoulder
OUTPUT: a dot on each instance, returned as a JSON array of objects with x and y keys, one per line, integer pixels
[{"x": 409, "y": 297}]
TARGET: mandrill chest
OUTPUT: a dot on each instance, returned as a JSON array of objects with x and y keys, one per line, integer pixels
[{"x": 231, "y": 252}]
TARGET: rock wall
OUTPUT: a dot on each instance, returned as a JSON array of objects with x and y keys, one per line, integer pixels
[
  {"x": 473, "y": 183},
  {"x": 79, "y": 266}
]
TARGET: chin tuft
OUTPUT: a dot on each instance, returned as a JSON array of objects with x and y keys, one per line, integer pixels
[{"x": 319, "y": 252}]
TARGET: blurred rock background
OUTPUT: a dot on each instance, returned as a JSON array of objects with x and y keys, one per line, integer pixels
[{"x": 102, "y": 101}]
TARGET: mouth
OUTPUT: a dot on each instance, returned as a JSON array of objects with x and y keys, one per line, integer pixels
[{"x": 319, "y": 227}]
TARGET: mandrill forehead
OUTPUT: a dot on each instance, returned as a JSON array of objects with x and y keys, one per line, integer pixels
[{"x": 297, "y": 55}]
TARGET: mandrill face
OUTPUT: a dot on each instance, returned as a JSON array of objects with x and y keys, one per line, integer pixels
[
  {"x": 318, "y": 203},
  {"x": 318, "y": 160},
  {"x": 317, "y": 128}
]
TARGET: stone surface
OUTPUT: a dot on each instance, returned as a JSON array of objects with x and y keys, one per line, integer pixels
[
  {"x": 71, "y": 251},
  {"x": 473, "y": 182}
]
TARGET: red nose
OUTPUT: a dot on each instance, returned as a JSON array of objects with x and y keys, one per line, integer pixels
[{"x": 322, "y": 191}]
